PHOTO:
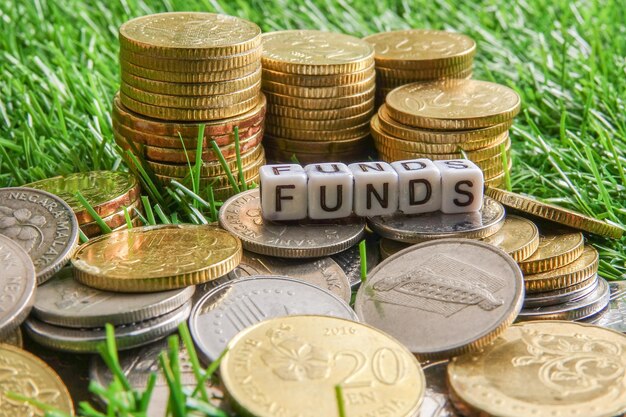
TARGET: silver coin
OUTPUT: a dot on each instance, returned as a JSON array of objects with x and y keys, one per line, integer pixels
[
  {"x": 350, "y": 261},
  {"x": 443, "y": 297},
  {"x": 63, "y": 301},
  {"x": 241, "y": 215},
  {"x": 436, "y": 400},
  {"x": 137, "y": 365},
  {"x": 233, "y": 306},
  {"x": 437, "y": 225},
  {"x": 323, "y": 272},
  {"x": 560, "y": 296},
  {"x": 42, "y": 224},
  {"x": 577, "y": 309},
  {"x": 614, "y": 316},
  {"x": 14, "y": 338},
  {"x": 17, "y": 286},
  {"x": 127, "y": 336}
]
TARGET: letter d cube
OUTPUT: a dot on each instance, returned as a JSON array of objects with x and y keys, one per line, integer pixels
[
  {"x": 419, "y": 186},
  {"x": 283, "y": 192},
  {"x": 462, "y": 186}
]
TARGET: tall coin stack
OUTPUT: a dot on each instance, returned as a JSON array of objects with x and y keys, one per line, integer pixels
[
  {"x": 408, "y": 56},
  {"x": 180, "y": 70},
  {"x": 448, "y": 119},
  {"x": 320, "y": 92}
]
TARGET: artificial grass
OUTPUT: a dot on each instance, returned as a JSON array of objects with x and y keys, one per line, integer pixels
[{"x": 59, "y": 71}]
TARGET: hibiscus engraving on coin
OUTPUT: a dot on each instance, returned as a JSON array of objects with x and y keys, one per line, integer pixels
[{"x": 23, "y": 227}]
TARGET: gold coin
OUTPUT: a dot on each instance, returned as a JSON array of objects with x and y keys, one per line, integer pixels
[
  {"x": 319, "y": 135},
  {"x": 321, "y": 92},
  {"x": 386, "y": 83},
  {"x": 332, "y": 124},
  {"x": 114, "y": 220},
  {"x": 208, "y": 169},
  {"x": 496, "y": 171},
  {"x": 156, "y": 258},
  {"x": 25, "y": 374},
  {"x": 105, "y": 191},
  {"x": 185, "y": 115},
  {"x": 316, "y": 114},
  {"x": 317, "y": 80},
  {"x": 188, "y": 131},
  {"x": 519, "y": 237},
  {"x": 186, "y": 89},
  {"x": 543, "y": 369},
  {"x": 389, "y": 247},
  {"x": 555, "y": 213},
  {"x": 557, "y": 248},
  {"x": 224, "y": 193},
  {"x": 278, "y": 156},
  {"x": 421, "y": 48},
  {"x": 319, "y": 103},
  {"x": 189, "y": 35},
  {"x": 134, "y": 221},
  {"x": 393, "y": 74},
  {"x": 495, "y": 182},
  {"x": 189, "y": 77},
  {"x": 393, "y": 128},
  {"x": 495, "y": 162},
  {"x": 580, "y": 270},
  {"x": 307, "y": 356},
  {"x": 191, "y": 102},
  {"x": 313, "y": 52},
  {"x": 453, "y": 104},
  {"x": 192, "y": 65},
  {"x": 318, "y": 147}
]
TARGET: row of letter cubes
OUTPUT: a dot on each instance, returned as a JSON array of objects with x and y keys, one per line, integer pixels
[{"x": 335, "y": 190}]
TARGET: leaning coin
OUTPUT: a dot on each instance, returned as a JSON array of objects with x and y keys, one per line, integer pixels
[
  {"x": 127, "y": 336},
  {"x": 443, "y": 297},
  {"x": 562, "y": 295},
  {"x": 241, "y": 215},
  {"x": 519, "y": 237},
  {"x": 322, "y": 272},
  {"x": 294, "y": 364},
  {"x": 41, "y": 223},
  {"x": 436, "y": 398},
  {"x": 63, "y": 301},
  {"x": 557, "y": 248},
  {"x": 577, "y": 309},
  {"x": 437, "y": 225},
  {"x": 17, "y": 286},
  {"x": 25, "y": 374},
  {"x": 350, "y": 260},
  {"x": 236, "y": 305},
  {"x": 614, "y": 317},
  {"x": 543, "y": 369}
]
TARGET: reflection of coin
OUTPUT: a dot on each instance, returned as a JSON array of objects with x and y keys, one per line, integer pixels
[
  {"x": 543, "y": 369},
  {"x": 444, "y": 297},
  {"x": 436, "y": 400},
  {"x": 236, "y": 305},
  {"x": 557, "y": 248},
  {"x": 27, "y": 375},
  {"x": 42, "y": 224},
  {"x": 241, "y": 215},
  {"x": 294, "y": 363},
  {"x": 519, "y": 237}
]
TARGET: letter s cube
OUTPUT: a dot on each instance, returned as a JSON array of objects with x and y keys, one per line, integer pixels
[
  {"x": 375, "y": 188},
  {"x": 330, "y": 190},
  {"x": 419, "y": 186},
  {"x": 283, "y": 192},
  {"x": 462, "y": 186}
]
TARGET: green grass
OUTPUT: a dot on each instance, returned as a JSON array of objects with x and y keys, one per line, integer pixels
[{"x": 58, "y": 65}]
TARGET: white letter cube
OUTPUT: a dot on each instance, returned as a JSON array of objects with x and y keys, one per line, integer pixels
[
  {"x": 283, "y": 192},
  {"x": 462, "y": 186},
  {"x": 419, "y": 186},
  {"x": 375, "y": 188},
  {"x": 330, "y": 190}
]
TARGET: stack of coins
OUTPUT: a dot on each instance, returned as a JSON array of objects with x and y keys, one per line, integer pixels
[
  {"x": 449, "y": 119},
  {"x": 320, "y": 92},
  {"x": 107, "y": 192},
  {"x": 183, "y": 70},
  {"x": 414, "y": 55}
]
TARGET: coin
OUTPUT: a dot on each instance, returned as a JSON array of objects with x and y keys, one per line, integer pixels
[
  {"x": 278, "y": 156},
  {"x": 320, "y": 136},
  {"x": 241, "y": 215},
  {"x": 307, "y": 356},
  {"x": 127, "y": 336},
  {"x": 437, "y": 225},
  {"x": 302, "y": 103},
  {"x": 42, "y": 224},
  {"x": 614, "y": 317},
  {"x": 581, "y": 269},
  {"x": 318, "y": 80},
  {"x": 236, "y": 305},
  {"x": 114, "y": 220},
  {"x": 335, "y": 91},
  {"x": 519, "y": 237},
  {"x": 536, "y": 357},
  {"x": 324, "y": 147},
  {"x": 319, "y": 125},
  {"x": 143, "y": 260},
  {"x": 444, "y": 297},
  {"x": 389, "y": 247},
  {"x": 555, "y": 213},
  {"x": 561, "y": 295},
  {"x": 188, "y": 77},
  {"x": 27, "y": 375},
  {"x": 396, "y": 77},
  {"x": 189, "y": 35},
  {"x": 350, "y": 260},
  {"x": 63, "y": 301},
  {"x": 318, "y": 114},
  {"x": 453, "y": 104},
  {"x": 313, "y": 52},
  {"x": 436, "y": 398},
  {"x": 557, "y": 248},
  {"x": 321, "y": 272}
]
